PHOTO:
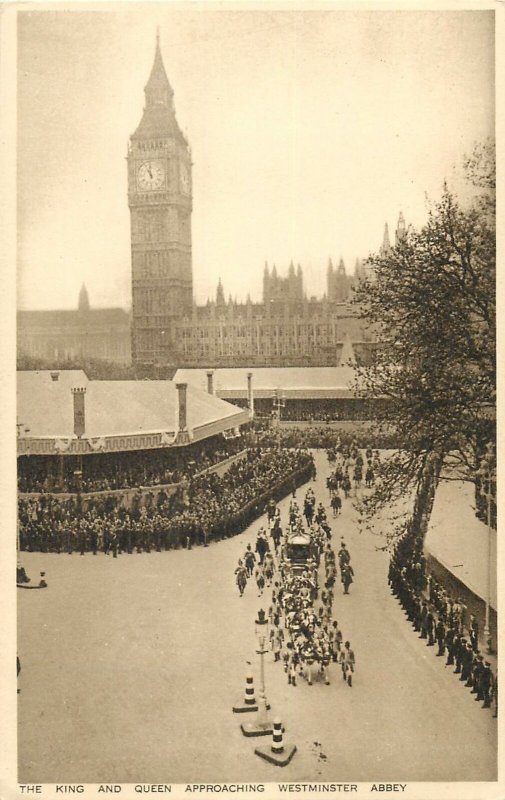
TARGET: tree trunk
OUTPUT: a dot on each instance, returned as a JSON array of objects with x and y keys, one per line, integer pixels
[{"x": 425, "y": 497}]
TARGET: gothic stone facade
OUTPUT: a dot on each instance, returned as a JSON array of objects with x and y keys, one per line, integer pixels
[{"x": 285, "y": 329}]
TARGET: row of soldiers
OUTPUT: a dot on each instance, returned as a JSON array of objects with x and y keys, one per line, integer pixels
[
  {"x": 115, "y": 533},
  {"x": 446, "y": 631}
]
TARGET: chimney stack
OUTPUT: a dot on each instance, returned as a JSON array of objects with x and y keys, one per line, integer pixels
[
  {"x": 55, "y": 376},
  {"x": 210, "y": 381},
  {"x": 250, "y": 396},
  {"x": 182, "y": 390},
  {"x": 79, "y": 412}
]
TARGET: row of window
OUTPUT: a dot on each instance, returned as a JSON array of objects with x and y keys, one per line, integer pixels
[
  {"x": 242, "y": 350},
  {"x": 320, "y": 332}
]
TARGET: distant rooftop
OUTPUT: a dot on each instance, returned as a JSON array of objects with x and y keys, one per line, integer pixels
[{"x": 72, "y": 318}]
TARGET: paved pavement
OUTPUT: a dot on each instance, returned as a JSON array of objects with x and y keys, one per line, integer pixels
[{"x": 130, "y": 668}]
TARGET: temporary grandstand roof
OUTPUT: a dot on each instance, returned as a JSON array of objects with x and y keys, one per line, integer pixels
[
  {"x": 119, "y": 415},
  {"x": 305, "y": 383}
]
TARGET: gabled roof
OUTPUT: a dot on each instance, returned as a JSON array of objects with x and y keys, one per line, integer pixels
[
  {"x": 294, "y": 382},
  {"x": 132, "y": 409}
]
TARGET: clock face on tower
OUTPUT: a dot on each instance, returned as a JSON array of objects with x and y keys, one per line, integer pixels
[
  {"x": 150, "y": 176},
  {"x": 184, "y": 176}
]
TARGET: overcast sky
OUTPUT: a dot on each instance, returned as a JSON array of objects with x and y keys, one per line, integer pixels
[{"x": 309, "y": 129}]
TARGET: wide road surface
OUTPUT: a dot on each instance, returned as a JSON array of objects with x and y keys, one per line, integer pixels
[{"x": 130, "y": 668}]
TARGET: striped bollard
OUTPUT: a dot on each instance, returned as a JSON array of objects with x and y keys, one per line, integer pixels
[
  {"x": 248, "y": 703},
  {"x": 278, "y": 753}
]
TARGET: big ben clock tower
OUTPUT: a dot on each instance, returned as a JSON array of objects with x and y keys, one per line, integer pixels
[{"x": 159, "y": 197}]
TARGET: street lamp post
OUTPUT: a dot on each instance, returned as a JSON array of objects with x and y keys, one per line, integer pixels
[
  {"x": 487, "y": 475},
  {"x": 261, "y": 726},
  {"x": 261, "y": 628}
]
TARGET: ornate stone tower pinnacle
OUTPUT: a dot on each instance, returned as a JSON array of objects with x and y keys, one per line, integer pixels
[
  {"x": 220, "y": 301},
  {"x": 401, "y": 228},
  {"x": 386, "y": 245},
  {"x": 83, "y": 304}
]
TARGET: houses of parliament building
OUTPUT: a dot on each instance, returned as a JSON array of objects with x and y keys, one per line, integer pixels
[{"x": 167, "y": 327}]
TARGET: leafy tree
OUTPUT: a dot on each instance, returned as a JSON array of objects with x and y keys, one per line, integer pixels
[
  {"x": 98, "y": 369},
  {"x": 431, "y": 301}
]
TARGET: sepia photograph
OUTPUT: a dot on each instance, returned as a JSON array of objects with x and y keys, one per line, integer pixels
[{"x": 255, "y": 519}]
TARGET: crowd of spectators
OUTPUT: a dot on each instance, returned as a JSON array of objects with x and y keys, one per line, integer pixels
[
  {"x": 106, "y": 472},
  {"x": 321, "y": 437},
  {"x": 326, "y": 410},
  {"x": 312, "y": 410},
  {"x": 208, "y": 507},
  {"x": 441, "y": 619},
  {"x": 109, "y": 471}
]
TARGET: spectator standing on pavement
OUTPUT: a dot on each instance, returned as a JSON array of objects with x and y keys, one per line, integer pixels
[
  {"x": 440, "y": 637},
  {"x": 487, "y": 684},
  {"x": 473, "y": 632}
]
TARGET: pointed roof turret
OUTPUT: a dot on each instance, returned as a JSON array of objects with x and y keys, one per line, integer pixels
[
  {"x": 158, "y": 118},
  {"x": 291, "y": 268},
  {"x": 386, "y": 244},
  {"x": 401, "y": 228},
  {"x": 220, "y": 301},
  {"x": 83, "y": 303},
  {"x": 274, "y": 271},
  {"x": 341, "y": 267},
  {"x": 330, "y": 265},
  {"x": 265, "y": 271}
]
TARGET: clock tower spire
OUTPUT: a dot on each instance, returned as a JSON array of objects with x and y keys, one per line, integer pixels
[
  {"x": 160, "y": 201},
  {"x": 158, "y": 90}
]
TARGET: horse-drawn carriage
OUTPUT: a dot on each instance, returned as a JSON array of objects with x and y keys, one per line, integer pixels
[{"x": 299, "y": 551}]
